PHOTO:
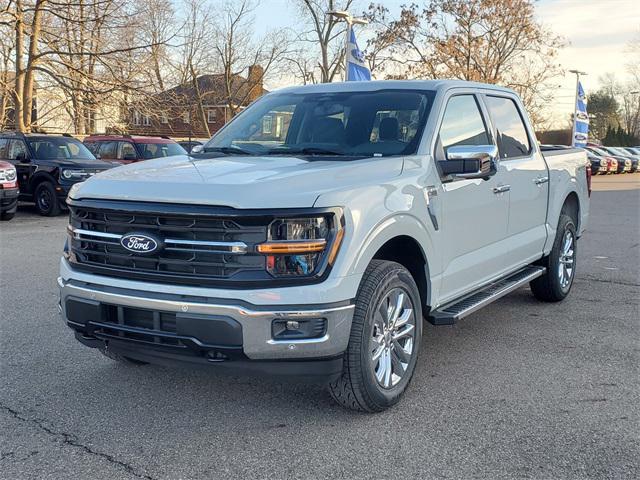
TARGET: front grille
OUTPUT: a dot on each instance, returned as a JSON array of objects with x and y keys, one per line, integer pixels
[{"x": 197, "y": 249}]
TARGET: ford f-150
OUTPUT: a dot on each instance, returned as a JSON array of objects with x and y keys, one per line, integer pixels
[{"x": 312, "y": 235}]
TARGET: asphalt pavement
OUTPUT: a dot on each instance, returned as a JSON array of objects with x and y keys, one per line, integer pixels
[{"x": 520, "y": 389}]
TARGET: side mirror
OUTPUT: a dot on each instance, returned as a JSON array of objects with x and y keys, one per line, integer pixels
[
  {"x": 22, "y": 158},
  {"x": 130, "y": 156},
  {"x": 471, "y": 161},
  {"x": 197, "y": 149}
]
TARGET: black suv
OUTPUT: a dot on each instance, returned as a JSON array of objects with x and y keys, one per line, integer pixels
[{"x": 47, "y": 166}]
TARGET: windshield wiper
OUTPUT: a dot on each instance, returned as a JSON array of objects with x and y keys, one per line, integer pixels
[
  {"x": 231, "y": 150},
  {"x": 305, "y": 151}
]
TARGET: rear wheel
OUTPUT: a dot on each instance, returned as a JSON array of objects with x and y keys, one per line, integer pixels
[
  {"x": 556, "y": 283},
  {"x": 384, "y": 341},
  {"x": 121, "y": 358},
  {"x": 46, "y": 200}
]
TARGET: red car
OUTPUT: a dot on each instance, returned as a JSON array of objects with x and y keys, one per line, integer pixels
[
  {"x": 131, "y": 148},
  {"x": 8, "y": 191}
]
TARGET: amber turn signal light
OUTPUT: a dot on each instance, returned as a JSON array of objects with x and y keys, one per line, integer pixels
[{"x": 275, "y": 248}]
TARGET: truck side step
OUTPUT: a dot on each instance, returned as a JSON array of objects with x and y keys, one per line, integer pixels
[{"x": 449, "y": 313}]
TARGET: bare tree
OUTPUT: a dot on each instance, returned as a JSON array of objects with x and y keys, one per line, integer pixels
[
  {"x": 493, "y": 41},
  {"x": 320, "y": 53}
]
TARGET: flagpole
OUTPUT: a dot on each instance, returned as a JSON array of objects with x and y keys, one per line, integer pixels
[
  {"x": 351, "y": 21},
  {"x": 575, "y": 106},
  {"x": 346, "y": 48}
]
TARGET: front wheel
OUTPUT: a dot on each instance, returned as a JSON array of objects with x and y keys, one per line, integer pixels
[
  {"x": 384, "y": 342},
  {"x": 5, "y": 216},
  {"x": 556, "y": 283},
  {"x": 46, "y": 200}
]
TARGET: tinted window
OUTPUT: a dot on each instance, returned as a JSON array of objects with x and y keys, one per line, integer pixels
[
  {"x": 510, "y": 130},
  {"x": 128, "y": 151},
  {"x": 17, "y": 149},
  {"x": 3, "y": 149},
  {"x": 340, "y": 124},
  {"x": 58, "y": 148},
  {"x": 109, "y": 151},
  {"x": 156, "y": 150},
  {"x": 462, "y": 124}
]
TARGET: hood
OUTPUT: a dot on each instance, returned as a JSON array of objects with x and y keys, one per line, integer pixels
[{"x": 236, "y": 181}]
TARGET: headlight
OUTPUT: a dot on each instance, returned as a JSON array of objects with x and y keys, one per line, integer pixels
[
  {"x": 300, "y": 246},
  {"x": 7, "y": 175},
  {"x": 73, "y": 174}
]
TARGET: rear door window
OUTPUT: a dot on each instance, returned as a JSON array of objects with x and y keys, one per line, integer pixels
[
  {"x": 109, "y": 151},
  {"x": 127, "y": 151},
  {"x": 17, "y": 150},
  {"x": 511, "y": 132}
]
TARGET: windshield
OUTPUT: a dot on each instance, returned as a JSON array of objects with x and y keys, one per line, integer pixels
[
  {"x": 344, "y": 124},
  {"x": 598, "y": 151},
  {"x": 156, "y": 150},
  {"x": 59, "y": 148},
  {"x": 619, "y": 151}
]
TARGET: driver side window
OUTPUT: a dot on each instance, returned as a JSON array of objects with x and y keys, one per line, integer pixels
[{"x": 462, "y": 124}]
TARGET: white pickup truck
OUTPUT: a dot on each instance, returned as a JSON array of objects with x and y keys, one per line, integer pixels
[{"x": 312, "y": 235}]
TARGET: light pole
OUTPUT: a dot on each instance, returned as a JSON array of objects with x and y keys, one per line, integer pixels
[
  {"x": 575, "y": 104},
  {"x": 345, "y": 16}
]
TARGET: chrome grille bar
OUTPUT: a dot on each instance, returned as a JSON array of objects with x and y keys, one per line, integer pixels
[{"x": 234, "y": 248}]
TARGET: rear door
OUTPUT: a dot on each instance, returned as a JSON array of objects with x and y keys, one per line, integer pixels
[
  {"x": 528, "y": 176},
  {"x": 474, "y": 211},
  {"x": 18, "y": 156}
]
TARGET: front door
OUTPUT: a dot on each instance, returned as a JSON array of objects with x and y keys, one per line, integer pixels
[
  {"x": 529, "y": 179},
  {"x": 474, "y": 212}
]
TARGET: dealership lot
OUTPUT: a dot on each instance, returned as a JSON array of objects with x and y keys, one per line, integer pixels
[{"x": 519, "y": 389}]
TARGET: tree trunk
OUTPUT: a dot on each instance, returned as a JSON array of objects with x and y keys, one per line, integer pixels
[
  {"x": 27, "y": 93},
  {"x": 19, "y": 77}
]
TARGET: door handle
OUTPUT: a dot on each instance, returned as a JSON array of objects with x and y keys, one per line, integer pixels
[
  {"x": 501, "y": 189},
  {"x": 541, "y": 180}
]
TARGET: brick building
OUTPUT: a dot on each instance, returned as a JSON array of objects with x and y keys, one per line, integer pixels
[{"x": 175, "y": 112}]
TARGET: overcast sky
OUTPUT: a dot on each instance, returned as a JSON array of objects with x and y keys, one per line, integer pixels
[{"x": 597, "y": 32}]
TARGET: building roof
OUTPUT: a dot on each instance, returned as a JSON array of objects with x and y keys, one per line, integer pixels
[{"x": 212, "y": 88}]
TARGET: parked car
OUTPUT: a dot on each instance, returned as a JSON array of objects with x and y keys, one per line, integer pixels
[
  {"x": 612, "y": 162},
  {"x": 316, "y": 249},
  {"x": 624, "y": 153},
  {"x": 625, "y": 161},
  {"x": 48, "y": 166},
  {"x": 131, "y": 148},
  {"x": 599, "y": 164},
  {"x": 8, "y": 191},
  {"x": 189, "y": 144}
]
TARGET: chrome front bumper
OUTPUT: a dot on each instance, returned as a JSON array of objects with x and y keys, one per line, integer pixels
[{"x": 256, "y": 321}]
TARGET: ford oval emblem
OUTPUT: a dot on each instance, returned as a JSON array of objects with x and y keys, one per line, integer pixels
[{"x": 141, "y": 243}]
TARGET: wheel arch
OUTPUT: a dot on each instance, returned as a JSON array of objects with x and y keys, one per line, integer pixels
[
  {"x": 403, "y": 240},
  {"x": 38, "y": 178}
]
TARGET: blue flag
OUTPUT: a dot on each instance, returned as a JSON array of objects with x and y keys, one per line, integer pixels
[
  {"x": 580, "y": 120},
  {"x": 356, "y": 68}
]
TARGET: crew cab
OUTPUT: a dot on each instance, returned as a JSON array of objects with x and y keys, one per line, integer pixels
[
  {"x": 8, "y": 191},
  {"x": 313, "y": 234},
  {"x": 123, "y": 149},
  {"x": 47, "y": 166}
]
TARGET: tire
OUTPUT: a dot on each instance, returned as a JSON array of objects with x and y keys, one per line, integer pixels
[
  {"x": 5, "y": 217},
  {"x": 552, "y": 286},
  {"x": 116, "y": 357},
  {"x": 362, "y": 386},
  {"x": 46, "y": 200}
]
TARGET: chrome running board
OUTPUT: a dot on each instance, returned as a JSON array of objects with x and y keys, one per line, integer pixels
[{"x": 474, "y": 301}]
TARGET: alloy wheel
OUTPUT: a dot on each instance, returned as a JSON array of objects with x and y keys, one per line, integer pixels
[
  {"x": 393, "y": 337},
  {"x": 567, "y": 260}
]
